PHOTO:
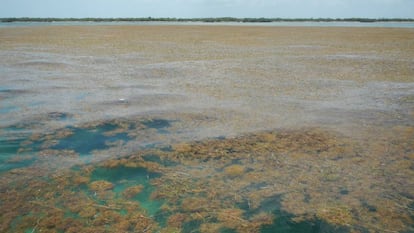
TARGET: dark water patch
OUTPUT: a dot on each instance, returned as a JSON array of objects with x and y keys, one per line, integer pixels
[
  {"x": 307, "y": 197},
  {"x": 149, "y": 146},
  {"x": 82, "y": 96},
  {"x": 4, "y": 90},
  {"x": 220, "y": 138},
  {"x": 16, "y": 128},
  {"x": 58, "y": 116},
  {"x": 13, "y": 153},
  {"x": 270, "y": 204},
  {"x": 36, "y": 103},
  {"x": 157, "y": 146},
  {"x": 283, "y": 223},
  {"x": 236, "y": 161},
  {"x": 152, "y": 158},
  {"x": 10, "y": 146},
  {"x": 192, "y": 226},
  {"x": 144, "y": 198},
  {"x": 411, "y": 206},
  {"x": 227, "y": 230},
  {"x": 6, "y": 93},
  {"x": 120, "y": 173},
  {"x": 158, "y": 124},
  {"x": 407, "y": 195},
  {"x": 344, "y": 191},
  {"x": 161, "y": 217},
  {"x": 244, "y": 205},
  {"x": 42, "y": 120},
  {"x": 166, "y": 149},
  {"x": 16, "y": 162},
  {"x": 76, "y": 168},
  {"x": 255, "y": 186},
  {"x": 16, "y": 221},
  {"x": 86, "y": 140},
  {"x": 162, "y": 131},
  {"x": 21, "y": 127},
  {"x": 13, "y": 133},
  {"x": 368, "y": 206},
  {"x": 9, "y": 109},
  {"x": 158, "y": 159},
  {"x": 43, "y": 64}
]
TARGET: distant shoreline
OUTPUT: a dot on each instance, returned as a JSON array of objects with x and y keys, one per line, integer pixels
[{"x": 206, "y": 20}]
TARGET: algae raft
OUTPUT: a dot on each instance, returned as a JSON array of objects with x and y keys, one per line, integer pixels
[{"x": 296, "y": 180}]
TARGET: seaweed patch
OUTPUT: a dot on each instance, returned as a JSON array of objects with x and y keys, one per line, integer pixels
[{"x": 252, "y": 183}]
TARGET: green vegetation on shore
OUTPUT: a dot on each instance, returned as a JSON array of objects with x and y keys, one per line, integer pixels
[{"x": 208, "y": 20}]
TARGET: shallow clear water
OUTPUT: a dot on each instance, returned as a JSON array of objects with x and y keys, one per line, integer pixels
[{"x": 84, "y": 141}]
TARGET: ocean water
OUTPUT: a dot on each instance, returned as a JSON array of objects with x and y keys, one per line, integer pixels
[{"x": 166, "y": 128}]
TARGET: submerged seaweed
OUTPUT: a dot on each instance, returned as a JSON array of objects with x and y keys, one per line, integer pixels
[{"x": 289, "y": 180}]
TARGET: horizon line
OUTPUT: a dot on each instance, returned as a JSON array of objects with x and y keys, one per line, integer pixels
[{"x": 202, "y": 19}]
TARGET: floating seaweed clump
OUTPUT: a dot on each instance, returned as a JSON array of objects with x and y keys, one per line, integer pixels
[
  {"x": 306, "y": 180},
  {"x": 234, "y": 170},
  {"x": 101, "y": 185},
  {"x": 132, "y": 191},
  {"x": 337, "y": 215}
]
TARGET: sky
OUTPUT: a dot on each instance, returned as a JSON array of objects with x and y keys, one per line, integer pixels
[{"x": 208, "y": 8}]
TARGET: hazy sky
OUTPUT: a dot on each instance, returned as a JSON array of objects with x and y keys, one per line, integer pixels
[{"x": 208, "y": 8}]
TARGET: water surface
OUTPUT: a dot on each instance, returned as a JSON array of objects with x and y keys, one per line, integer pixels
[{"x": 188, "y": 128}]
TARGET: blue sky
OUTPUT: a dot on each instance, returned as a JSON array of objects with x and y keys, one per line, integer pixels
[{"x": 208, "y": 8}]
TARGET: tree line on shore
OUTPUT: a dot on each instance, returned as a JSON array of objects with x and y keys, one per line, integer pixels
[{"x": 207, "y": 20}]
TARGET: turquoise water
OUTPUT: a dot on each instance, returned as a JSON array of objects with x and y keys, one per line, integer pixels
[
  {"x": 175, "y": 186},
  {"x": 10, "y": 158},
  {"x": 19, "y": 146},
  {"x": 7, "y": 106},
  {"x": 84, "y": 141},
  {"x": 8, "y": 109},
  {"x": 157, "y": 123},
  {"x": 284, "y": 224},
  {"x": 125, "y": 177},
  {"x": 170, "y": 188},
  {"x": 11, "y": 154}
]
